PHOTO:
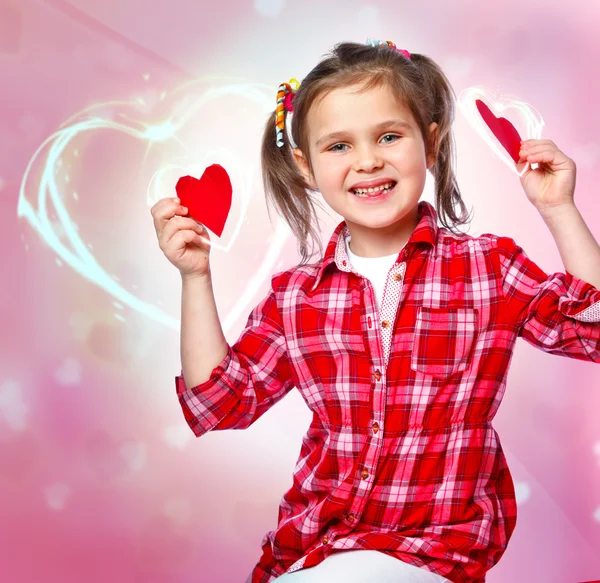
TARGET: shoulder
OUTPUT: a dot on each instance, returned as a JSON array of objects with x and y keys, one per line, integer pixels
[
  {"x": 297, "y": 278},
  {"x": 450, "y": 244}
]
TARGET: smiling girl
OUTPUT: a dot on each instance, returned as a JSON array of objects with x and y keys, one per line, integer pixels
[{"x": 399, "y": 337}]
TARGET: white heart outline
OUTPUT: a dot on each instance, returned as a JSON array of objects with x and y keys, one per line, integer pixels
[
  {"x": 79, "y": 257},
  {"x": 533, "y": 127},
  {"x": 197, "y": 170}
]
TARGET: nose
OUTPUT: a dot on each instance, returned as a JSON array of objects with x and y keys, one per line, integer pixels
[{"x": 367, "y": 159}]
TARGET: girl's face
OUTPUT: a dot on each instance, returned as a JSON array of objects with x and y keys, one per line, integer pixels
[{"x": 377, "y": 141}]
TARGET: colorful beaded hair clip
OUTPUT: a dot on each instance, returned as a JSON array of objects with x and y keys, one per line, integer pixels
[
  {"x": 286, "y": 93},
  {"x": 285, "y": 96},
  {"x": 382, "y": 43}
]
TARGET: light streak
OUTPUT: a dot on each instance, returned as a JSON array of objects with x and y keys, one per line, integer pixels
[{"x": 69, "y": 246}]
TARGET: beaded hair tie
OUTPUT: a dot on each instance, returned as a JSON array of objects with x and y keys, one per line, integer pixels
[
  {"x": 374, "y": 43},
  {"x": 285, "y": 96},
  {"x": 286, "y": 93}
]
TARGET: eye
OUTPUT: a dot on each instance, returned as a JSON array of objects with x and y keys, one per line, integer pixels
[{"x": 332, "y": 149}]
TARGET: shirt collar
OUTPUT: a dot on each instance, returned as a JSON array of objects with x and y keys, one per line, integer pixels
[{"x": 426, "y": 231}]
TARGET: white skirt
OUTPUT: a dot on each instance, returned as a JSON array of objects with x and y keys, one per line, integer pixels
[{"x": 362, "y": 566}]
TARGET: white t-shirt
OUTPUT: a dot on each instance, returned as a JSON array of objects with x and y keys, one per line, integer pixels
[{"x": 375, "y": 269}]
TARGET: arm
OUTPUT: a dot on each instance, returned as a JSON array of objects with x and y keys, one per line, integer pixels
[
  {"x": 558, "y": 313},
  {"x": 246, "y": 379},
  {"x": 577, "y": 246},
  {"x": 551, "y": 190},
  {"x": 203, "y": 344}
]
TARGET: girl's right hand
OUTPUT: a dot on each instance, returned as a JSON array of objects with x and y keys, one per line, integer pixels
[{"x": 184, "y": 241}]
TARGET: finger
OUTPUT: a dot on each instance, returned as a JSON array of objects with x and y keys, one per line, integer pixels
[
  {"x": 541, "y": 148},
  {"x": 531, "y": 142},
  {"x": 548, "y": 145},
  {"x": 175, "y": 226},
  {"x": 543, "y": 153},
  {"x": 163, "y": 206},
  {"x": 521, "y": 164},
  {"x": 166, "y": 212},
  {"x": 178, "y": 223},
  {"x": 162, "y": 202},
  {"x": 554, "y": 157},
  {"x": 183, "y": 238}
]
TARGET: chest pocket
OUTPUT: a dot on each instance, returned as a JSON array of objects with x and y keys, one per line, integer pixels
[{"x": 443, "y": 340}]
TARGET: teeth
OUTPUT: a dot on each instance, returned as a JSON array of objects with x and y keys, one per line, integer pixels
[{"x": 367, "y": 191}]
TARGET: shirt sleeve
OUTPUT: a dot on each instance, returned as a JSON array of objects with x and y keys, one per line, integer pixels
[
  {"x": 253, "y": 376},
  {"x": 557, "y": 313}
]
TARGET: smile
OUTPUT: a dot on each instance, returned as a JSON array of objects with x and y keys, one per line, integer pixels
[{"x": 374, "y": 193}]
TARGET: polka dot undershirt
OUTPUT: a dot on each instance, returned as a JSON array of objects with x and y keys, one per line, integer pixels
[{"x": 379, "y": 271}]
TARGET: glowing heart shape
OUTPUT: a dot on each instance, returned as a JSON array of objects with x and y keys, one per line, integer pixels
[
  {"x": 40, "y": 190},
  {"x": 525, "y": 116},
  {"x": 208, "y": 199}
]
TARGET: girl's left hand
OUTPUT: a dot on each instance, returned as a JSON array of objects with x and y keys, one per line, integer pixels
[{"x": 552, "y": 183}]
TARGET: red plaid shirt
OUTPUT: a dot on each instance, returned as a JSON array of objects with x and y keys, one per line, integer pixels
[{"x": 401, "y": 455}]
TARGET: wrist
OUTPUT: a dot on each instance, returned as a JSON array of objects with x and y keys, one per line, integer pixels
[
  {"x": 553, "y": 212},
  {"x": 195, "y": 278}
]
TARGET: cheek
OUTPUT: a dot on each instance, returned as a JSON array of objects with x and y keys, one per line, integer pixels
[
  {"x": 332, "y": 172},
  {"x": 411, "y": 151},
  {"x": 412, "y": 163},
  {"x": 334, "y": 201},
  {"x": 408, "y": 154}
]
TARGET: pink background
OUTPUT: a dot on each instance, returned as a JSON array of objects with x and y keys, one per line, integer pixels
[{"x": 100, "y": 477}]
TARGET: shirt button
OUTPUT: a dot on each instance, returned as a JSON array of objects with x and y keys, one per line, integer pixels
[
  {"x": 385, "y": 324},
  {"x": 325, "y": 539},
  {"x": 344, "y": 263},
  {"x": 364, "y": 474},
  {"x": 375, "y": 427},
  {"x": 377, "y": 374},
  {"x": 350, "y": 517},
  {"x": 397, "y": 277}
]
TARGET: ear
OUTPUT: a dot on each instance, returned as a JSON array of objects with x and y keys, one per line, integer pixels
[
  {"x": 434, "y": 136},
  {"x": 302, "y": 164}
]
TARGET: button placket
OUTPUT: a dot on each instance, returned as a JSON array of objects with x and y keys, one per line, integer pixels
[{"x": 390, "y": 309}]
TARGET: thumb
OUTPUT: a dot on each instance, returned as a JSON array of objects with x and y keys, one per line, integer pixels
[{"x": 521, "y": 165}]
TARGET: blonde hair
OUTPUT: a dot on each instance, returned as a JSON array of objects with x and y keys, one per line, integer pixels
[{"x": 419, "y": 83}]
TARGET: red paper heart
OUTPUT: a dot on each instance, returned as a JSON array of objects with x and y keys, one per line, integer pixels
[
  {"x": 504, "y": 131},
  {"x": 208, "y": 199}
]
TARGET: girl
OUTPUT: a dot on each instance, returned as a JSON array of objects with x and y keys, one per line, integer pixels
[{"x": 399, "y": 338}]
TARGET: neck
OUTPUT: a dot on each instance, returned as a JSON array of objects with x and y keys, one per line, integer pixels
[{"x": 380, "y": 242}]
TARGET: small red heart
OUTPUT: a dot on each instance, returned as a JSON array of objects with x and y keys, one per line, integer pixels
[
  {"x": 208, "y": 200},
  {"x": 504, "y": 131}
]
